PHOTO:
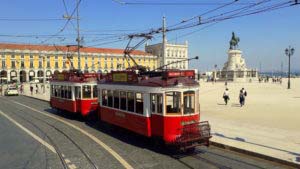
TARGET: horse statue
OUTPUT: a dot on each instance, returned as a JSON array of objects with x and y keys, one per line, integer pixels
[{"x": 234, "y": 41}]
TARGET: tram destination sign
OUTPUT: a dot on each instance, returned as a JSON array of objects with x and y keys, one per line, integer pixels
[{"x": 119, "y": 77}]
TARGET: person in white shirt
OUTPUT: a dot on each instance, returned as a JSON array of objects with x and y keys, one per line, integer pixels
[{"x": 226, "y": 96}]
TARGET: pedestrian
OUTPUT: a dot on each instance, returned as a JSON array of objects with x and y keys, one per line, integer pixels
[
  {"x": 245, "y": 94},
  {"x": 36, "y": 90},
  {"x": 1, "y": 90},
  {"x": 31, "y": 89},
  {"x": 22, "y": 88},
  {"x": 241, "y": 98},
  {"x": 226, "y": 96}
]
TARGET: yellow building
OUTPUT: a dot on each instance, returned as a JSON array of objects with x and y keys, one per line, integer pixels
[{"x": 24, "y": 63}]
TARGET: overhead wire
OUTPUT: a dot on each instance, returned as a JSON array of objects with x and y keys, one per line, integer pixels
[{"x": 65, "y": 25}]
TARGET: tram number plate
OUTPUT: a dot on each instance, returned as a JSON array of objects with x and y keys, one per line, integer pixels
[{"x": 120, "y": 114}]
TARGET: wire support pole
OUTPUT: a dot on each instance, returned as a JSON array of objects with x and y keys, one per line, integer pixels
[{"x": 78, "y": 36}]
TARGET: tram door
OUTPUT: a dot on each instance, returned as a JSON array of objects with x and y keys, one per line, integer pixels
[
  {"x": 157, "y": 118},
  {"x": 78, "y": 98}
]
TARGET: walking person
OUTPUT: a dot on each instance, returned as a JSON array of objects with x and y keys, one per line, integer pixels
[
  {"x": 245, "y": 94},
  {"x": 31, "y": 89},
  {"x": 241, "y": 98},
  {"x": 22, "y": 88},
  {"x": 226, "y": 96}
]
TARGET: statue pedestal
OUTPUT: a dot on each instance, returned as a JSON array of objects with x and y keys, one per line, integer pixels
[
  {"x": 235, "y": 61},
  {"x": 235, "y": 68}
]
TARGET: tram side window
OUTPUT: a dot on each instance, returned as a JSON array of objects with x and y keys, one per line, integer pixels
[
  {"x": 116, "y": 99},
  {"x": 95, "y": 92},
  {"x": 58, "y": 91},
  {"x": 69, "y": 92},
  {"x": 139, "y": 103},
  {"x": 104, "y": 97},
  {"x": 160, "y": 103},
  {"x": 78, "y": 92},
  {"x": 153, "y": 103},
  {"x": 123, "y": 100},
  {"x": 189, "y": 102},
  {"x": 86, "y": 91},
  {"x": 109, "y": 98},
  {"x": 173, "y": 102},
  {"x": 156, "y": 103},
  {"x": 52, "y": 90},
  {"x": 130, "y": 101},
  {"x": 62, "y": 93},
  {"x": 55, "y": 91},
  {"x": 66, "y": 92}
]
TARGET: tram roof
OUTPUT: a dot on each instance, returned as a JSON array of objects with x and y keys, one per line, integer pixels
[
  {"x": 75, "y": 77},
  {"x": 153, "y": 79}
]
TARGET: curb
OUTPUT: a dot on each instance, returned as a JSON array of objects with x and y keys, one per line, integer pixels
[
  {"x": 35, "y": 98},
  {"x": 254, "y": 154}
]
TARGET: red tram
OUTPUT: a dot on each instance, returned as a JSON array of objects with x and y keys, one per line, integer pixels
[
  {"x": 74, "y": 92},
  {"x": 163, "y": 105}
]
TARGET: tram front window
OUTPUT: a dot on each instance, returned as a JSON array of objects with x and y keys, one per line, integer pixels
[
  {"x": 173, "y": 102},
  {"x": 189, "y": 102},
  {"x": 86, "y": 92}
]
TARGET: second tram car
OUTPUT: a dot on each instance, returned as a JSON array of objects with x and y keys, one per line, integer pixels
[
  {"x": 74, "y": 92},
  {"x": 164, "y": 105}
]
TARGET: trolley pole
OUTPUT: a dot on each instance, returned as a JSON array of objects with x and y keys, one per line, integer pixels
[{"x": 78, "y": 37}]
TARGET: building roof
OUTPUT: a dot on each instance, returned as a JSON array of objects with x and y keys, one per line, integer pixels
[{"x": 65, "y": 49}]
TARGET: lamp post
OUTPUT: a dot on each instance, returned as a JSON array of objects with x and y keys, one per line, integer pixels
[{"x": 289, "y": 52}]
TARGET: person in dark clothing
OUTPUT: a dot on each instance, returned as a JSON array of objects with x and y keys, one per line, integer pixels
[
  {"x": 31, "y": 89},
  {"x": 242, "y": 98}
]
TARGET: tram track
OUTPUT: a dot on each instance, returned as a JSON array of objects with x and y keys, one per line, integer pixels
[
  {"x": 212, "y": 157},
  {"x": 52, "y": 142}
]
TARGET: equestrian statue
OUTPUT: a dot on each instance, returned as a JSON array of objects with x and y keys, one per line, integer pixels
[{"x": 234, "y": 41}]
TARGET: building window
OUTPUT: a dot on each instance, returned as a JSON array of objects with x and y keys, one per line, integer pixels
[
  {"x": 40, "y": 64},
  {"x": 31, "y": 64},
  {"x": 3, "y": 64},
  {"x": 13, "y": 64},
  {"x": 22, "y": 64}
]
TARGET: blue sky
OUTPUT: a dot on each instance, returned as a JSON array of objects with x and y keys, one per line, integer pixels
[{"x": 263, "y": 36}]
